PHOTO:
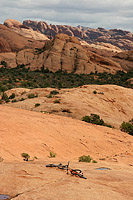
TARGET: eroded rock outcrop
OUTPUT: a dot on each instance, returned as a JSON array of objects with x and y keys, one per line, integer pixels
[
  {"x": 11, "y": 41},
  {"x": 65, "y": 53},
  {"x": 24, "y": 30},
  {"x": 119, "y": 38}
]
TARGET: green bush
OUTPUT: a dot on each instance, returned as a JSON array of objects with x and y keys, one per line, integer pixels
[
  {"x": 85, "y": 158},
  {"x": 22, "y": 99},
  {"x": 12, "y": 96},
  {"x": 14, "y": 100},
  {"x": 56, "y": 101},
  {"x": 127, "y": 127},
  {"x": 95, "y": 92},
  {"x": 54, "y": 92},
  {"x": 95, "y": 119},
  {"x": 37, "y": 104},
  {"x": 49, "y": 96},
  {"x": 4, "y": 63},
  {"x": 52, "y": 154},
  {"x": 94, "y": 161},
  {"x": 5, "y": 97},
  {"x": 25, "y": 156}
]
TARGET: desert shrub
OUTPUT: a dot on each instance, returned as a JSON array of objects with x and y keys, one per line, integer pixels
[
  {"x": 49, "y": 96},
  {"x": 54, "y": 92},
  {"x": 37, "y": 104},
  {"x": 30, "y": 96},
  {"x": 95, "y": 92},
  {"x": 56, "y": 101},
  {"x": 22, "y": 99},
  {"x": 4, "y": 63},
  {"x": 85, "y": 158},
  {"x": 52, "y": 154},
  {"x": 5, "y": 97},
  {"x": 14, "y": 100},
  {"x": 95, "y": 119},
  {"x": 12, "y": 96},
  {"x": 94, "y": 161},
  {"x": 66, "y": 110},
  {"x": 127, "y": 127},
  {"x": 25, "y": 156}
]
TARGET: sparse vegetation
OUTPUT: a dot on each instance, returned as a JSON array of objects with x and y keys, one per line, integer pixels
[
  {"x": 95, "y": 119},
  {"x": 95, "y": 92},
  {"x": 22, "y": 77},
  {"x": 85, "y": 158},
  {"x": 57, "y": 101},
  {"x": 37, "y": 104},
  {"x": 54, "y": 92},
  {"x": 25, "y": 156},
  {"x": 5, "y": 97},
  {"x": 12, "y": 96},
  {"x": 127, "y": 127},
  {"x": 4, "y": 63},
  {"x": 52, "y": 154}
]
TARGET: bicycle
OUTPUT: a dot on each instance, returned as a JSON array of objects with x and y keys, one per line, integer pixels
[{"x": 76, "y": 172}]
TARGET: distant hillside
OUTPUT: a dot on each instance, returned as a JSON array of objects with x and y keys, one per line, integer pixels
[{"x": 112, "y": 103}]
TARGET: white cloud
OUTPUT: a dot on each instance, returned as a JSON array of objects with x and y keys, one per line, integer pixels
[{"x": 92, "y": 13}]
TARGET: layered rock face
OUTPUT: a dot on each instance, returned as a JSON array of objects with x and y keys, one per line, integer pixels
[
  {"x": 24, "y": 30},
  {"x": 11, "y": 41},
  {"x": 64, "y": 53},
  {"x": 119, "y": 38}
]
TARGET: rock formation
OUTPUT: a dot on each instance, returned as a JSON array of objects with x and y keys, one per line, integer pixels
[
  {"x": 11, "y": 41},
  {"x": 24, "y": 30},
  {"x": 119, "y": 38},
  {"x": 64, "y": 53}
]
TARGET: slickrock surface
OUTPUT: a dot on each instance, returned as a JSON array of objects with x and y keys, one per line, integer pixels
[
  {"x": 113, "y": 103},
  {"x": 38, "y": 134}
]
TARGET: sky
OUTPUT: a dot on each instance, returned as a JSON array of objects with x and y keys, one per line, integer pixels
[{"x": 108, "y": 14}]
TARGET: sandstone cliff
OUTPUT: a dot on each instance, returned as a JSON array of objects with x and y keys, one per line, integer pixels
[
  {"x": 12, "y": 42},
  {"x": 24, "y": 30},
  {"x": 119, "y": 38},
  {"x": 64, "y": 53}
]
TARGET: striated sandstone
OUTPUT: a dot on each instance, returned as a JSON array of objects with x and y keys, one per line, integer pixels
[
  {"x": 24, "y": 30},
  {"x": 113, "y": 103},
  {"x": 64, "y": 53}
]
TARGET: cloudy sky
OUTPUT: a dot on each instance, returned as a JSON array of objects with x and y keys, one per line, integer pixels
[{"x": 91, "y": 13}]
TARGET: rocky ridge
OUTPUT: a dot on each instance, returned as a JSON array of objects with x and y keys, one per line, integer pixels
[
  {"x": 63, "y": 53},
  {"x": 24, "y": 30},
  {"x": 120, "y": 38},
  {"x": 112, "y": 103}
]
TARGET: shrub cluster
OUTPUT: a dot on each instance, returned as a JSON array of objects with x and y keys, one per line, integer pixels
[
  {"x": 95, "y": 119},
  {"x": 127, "y": 127},
  {"x": 86, "y": 159}
]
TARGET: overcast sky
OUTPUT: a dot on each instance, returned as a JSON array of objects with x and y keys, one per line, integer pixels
[{"x": 91, "y": 13}]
